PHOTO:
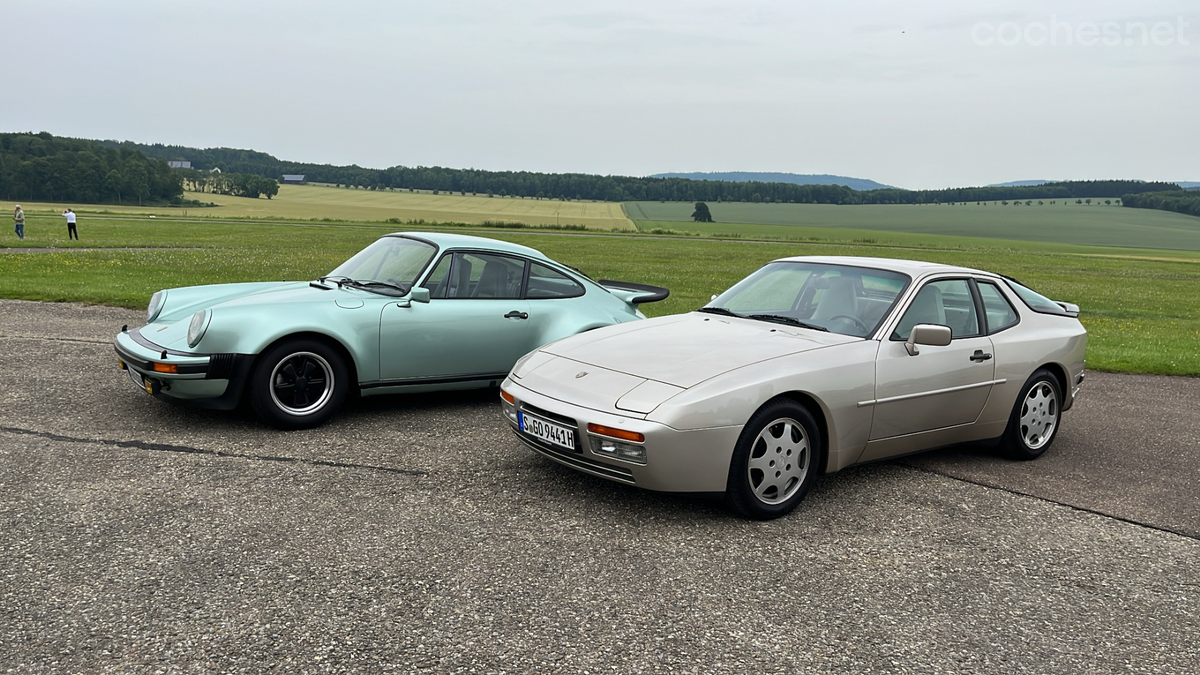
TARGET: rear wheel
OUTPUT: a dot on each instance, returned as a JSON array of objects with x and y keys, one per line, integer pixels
[
  {"x": 774, "y": 462},
  {"x": 1035, "y": 417},
  {"x": 298, "y": 384}
]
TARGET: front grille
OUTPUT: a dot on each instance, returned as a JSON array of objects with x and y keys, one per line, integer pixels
[
  {"x": 617, "y": 473},
  {"x": 220, "y": 367},
  {"x": 561, "y": 419}
]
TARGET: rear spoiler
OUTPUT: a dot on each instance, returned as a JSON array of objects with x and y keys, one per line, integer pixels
[
  {"x": 635, "y": 294},
  {"x": 1070, "y": 309}
]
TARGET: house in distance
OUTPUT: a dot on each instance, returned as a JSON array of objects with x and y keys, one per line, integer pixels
[{"x": 293, "y": 179}]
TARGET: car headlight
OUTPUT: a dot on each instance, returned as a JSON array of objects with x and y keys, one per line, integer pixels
[
  {"x": 198, "y": 326},
  {"x": 156, "y": 304}
]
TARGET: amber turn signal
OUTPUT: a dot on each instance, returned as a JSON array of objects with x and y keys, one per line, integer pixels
[
  {"x": 166, "y": 368},
  {"x": 616, "y": 433},
  {"x": 507, "y": 397}
]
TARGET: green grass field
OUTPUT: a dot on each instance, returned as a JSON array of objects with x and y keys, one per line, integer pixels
[
  {"x": 305, "y": 202},
  {"x": 1140, "y": 306},
  {"x": 1064, "y": 223}
]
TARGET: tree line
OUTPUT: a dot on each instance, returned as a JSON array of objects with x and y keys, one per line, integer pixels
[
  {"x": 1186, "y": 202},
  {"x": 236, "y": 184},
  {"x": 42, "y": 167},
  {"x": 618, "y": 188}
]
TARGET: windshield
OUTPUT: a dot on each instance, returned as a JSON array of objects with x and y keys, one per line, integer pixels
[
  {"x": 389, "y": 265},
  {"x": 836, "y": 298}
]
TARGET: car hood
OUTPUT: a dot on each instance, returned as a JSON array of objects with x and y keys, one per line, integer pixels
[
  {"x": 170, "y": 329},
  {"x": 687, "y": 349}
]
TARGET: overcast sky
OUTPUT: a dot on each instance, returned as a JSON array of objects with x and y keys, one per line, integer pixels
[{"x": 914, "y": 94}]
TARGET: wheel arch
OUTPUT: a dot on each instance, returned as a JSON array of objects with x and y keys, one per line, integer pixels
[
  {"x": 814, "y": 408},
  {"x": 1060, "y": 373},
  {"x": 323, "y": 338}
]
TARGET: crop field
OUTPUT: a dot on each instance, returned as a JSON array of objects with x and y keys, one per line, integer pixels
[
  {"x": 1139, "y": 305},
  {"x": 1066, "y": 223},
  {"x": 305, "y": 202}
]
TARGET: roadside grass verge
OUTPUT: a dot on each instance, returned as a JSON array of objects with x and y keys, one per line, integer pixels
[{"x": 1140, "y": 305}]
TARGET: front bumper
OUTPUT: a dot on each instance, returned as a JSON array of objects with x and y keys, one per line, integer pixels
[
  {"x": 206, "y": 380},
  {"x": 692, "y": 461}
]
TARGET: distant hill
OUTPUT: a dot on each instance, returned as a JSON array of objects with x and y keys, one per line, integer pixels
[
  {"x": 1188, "y": 184},
  {"x": 778, "y": 177},
  {"x": 1021, "y": 183}
]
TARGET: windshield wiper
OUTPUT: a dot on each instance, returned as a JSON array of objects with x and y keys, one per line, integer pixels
[
  {"x": 339, "y": 280},
  {"x": 719, "y": 310},
  {"x": 371, "y": 283},
  {"x": 779, "y": 318}
]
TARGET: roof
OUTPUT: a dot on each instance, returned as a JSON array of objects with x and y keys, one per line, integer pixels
[
  {"x": 447, "y": 240},
  {"x": 293, "y": 176},
  {"x": 913, "y": 268}
]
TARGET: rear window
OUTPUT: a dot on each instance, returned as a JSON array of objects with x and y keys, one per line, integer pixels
[{"x": 1036, "y": 301}]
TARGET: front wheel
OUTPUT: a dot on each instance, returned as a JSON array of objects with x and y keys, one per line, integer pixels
[
  {"x": 774, "y": 462},
  {"x": 1033, "y": 423},
  {"x": 298, "y": 384}
]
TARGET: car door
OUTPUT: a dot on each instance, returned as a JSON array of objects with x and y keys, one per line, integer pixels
[
  {"x": 476, "y": 323},
  {"x": 939, "y": 387}
]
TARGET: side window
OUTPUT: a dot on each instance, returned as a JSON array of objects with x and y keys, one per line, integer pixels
[
  {"x": 548, "y": 283},
  {"x": 1000, "y": 313},
  {"x": 479, "y": 275},
  {"x": 436, "y": 283},
  {"x": 946, "y": 303}
]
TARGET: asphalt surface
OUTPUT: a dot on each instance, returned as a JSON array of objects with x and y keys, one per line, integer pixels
[{"x": 414, "y": 534}]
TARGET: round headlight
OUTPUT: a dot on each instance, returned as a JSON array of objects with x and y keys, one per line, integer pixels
[
  {"x": 156, "y": 305},
  {"x": 198, "y": 326}
]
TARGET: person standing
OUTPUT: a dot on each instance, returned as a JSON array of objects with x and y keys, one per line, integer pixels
[
  {"x": 71, "y": 231},
  {"x": 19, "y": 219}
]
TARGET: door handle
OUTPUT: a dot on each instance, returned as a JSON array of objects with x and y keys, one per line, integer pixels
[
  {"x": 519, "y": 315},
  {"x": 979, "y": 356}
]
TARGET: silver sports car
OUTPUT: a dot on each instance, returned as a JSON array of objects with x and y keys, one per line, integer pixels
[{"x": 807, "y": 366}]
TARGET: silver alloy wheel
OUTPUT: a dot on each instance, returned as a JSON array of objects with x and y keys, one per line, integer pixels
[
  {"x": 1039, "y": 415},
  {"x": 779, "y": 461},
  {"x": 305, "y": 380}
]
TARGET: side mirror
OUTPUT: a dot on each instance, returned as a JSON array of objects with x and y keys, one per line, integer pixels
[
  {"x": 418, "y": 294},
  {"x": 927, "y": 334}
]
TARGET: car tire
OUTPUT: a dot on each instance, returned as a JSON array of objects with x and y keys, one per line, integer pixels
[
  {"x": 298, "y": 384},
  {"x": 1035, "y": 418},
  {"x": 775, "y": 461}
]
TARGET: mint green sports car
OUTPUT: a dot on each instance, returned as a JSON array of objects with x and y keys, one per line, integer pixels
[{"x": 412, "y": 312}]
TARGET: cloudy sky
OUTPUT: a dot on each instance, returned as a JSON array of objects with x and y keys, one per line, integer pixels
[{"x": 914, "y": 94}]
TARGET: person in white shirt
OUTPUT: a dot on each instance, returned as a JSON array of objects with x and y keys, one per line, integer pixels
[{"x": 71, "y": 231}]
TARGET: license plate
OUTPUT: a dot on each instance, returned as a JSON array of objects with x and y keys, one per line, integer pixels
[
  {"x": 141, "y": 382},
  {"x": 555, "y": 434}
]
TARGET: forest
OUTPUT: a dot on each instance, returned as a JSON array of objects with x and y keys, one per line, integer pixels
[
  {"x": 620, "y": 188},
  {"x": 1186, "y": 202},
  {"x": 42, "y": 167}
]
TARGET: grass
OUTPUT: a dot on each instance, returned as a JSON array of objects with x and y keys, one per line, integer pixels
[
  {"x": 308, "y": 202},
  {"x": 1139, "y": 305},
  {"x": 1064, "y": 222}
]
